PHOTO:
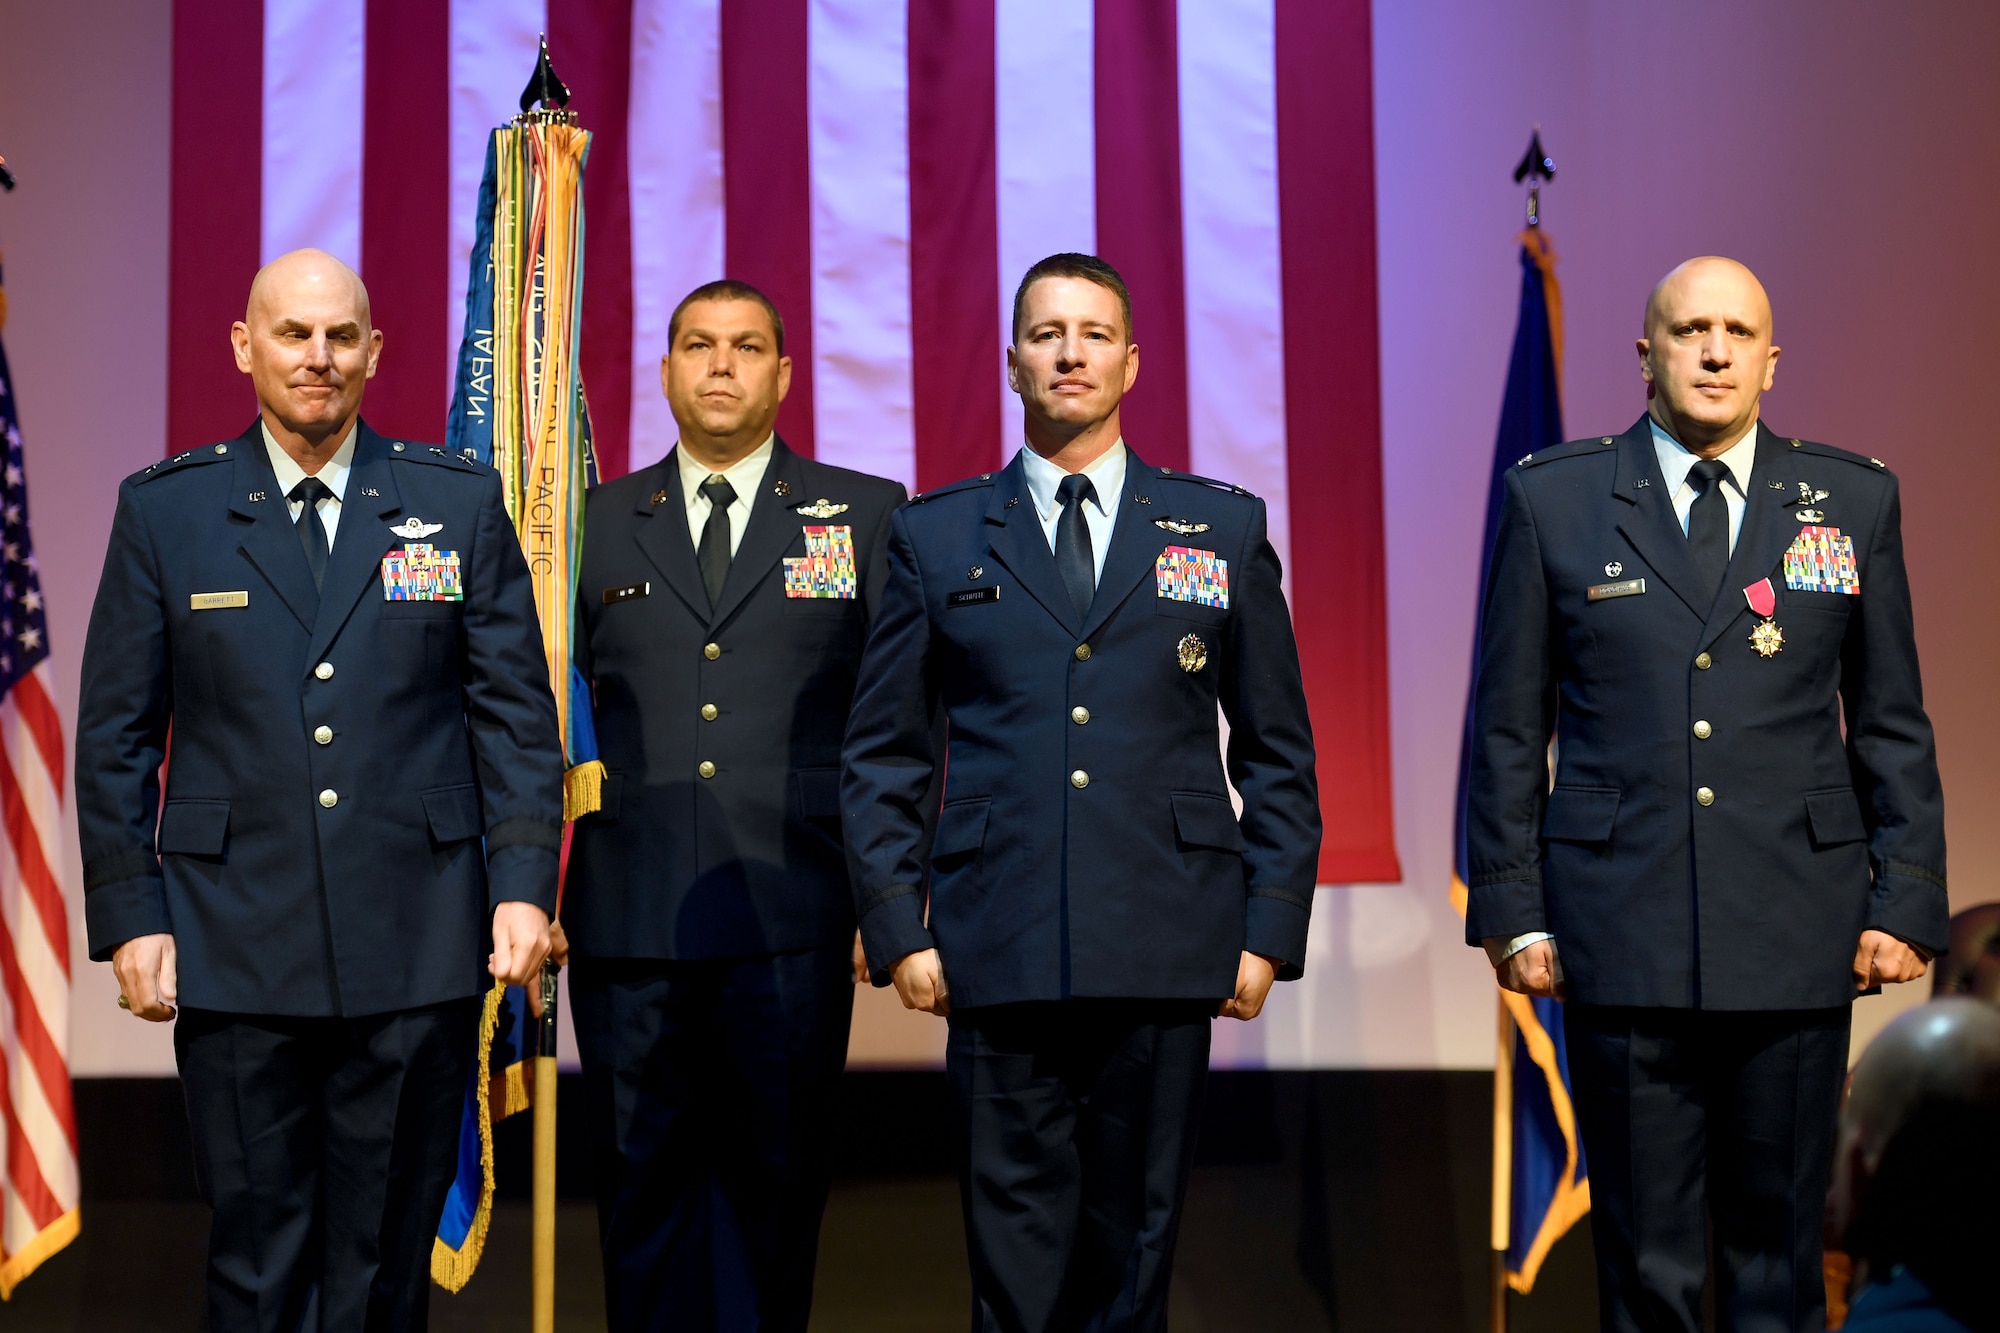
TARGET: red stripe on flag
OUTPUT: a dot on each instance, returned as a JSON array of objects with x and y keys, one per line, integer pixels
[
  {"x": 24, "y": 1174},
  {"x": 405, "y": 213},
  {"x": 591, "y": 43},
  {"x": 1333, "y": 421},
  {"x": 767, "y": 180},
  {"x": 32, "y": 1034},
  {"x": 955, "y": 365},
  {"x": 1139, "y": 212},
  {"x": 216, "y": 213},
  {"x": 38, "y": 711},
  {"x": 32, "y": 864}
]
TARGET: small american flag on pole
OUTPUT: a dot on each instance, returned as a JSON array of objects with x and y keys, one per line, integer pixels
[{"x": 38, "y": 1174}]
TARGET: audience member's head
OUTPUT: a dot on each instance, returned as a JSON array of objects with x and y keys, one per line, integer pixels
[
  {"x": 1973, "y": 965},
  {"x": 1916, "y": 1178}
]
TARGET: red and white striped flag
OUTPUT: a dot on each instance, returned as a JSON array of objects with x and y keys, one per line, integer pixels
[
  {"x": 885, "y": 170},
  {"x": 38, "y": 1182}
]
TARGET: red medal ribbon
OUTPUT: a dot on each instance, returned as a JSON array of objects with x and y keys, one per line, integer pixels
[{"x": 1762, "y": 600}]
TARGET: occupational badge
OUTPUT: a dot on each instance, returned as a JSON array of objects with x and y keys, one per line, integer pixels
[
  {"x": 1808, "y": 497},
  {"x": 1193, "y": 653},
  {"x": 1180, "y": 527},
  {"x": 827, "y": 569},
  {"x": 1821, "y": 559},
  {"x": 1184, "y": 574},
  {"x": 1613, "y": 568},
  {"x": 422, "y": 573},
  {"x": 1767, "y": 638},
  {"x": 660, "y": 496},
  {"x": 415, "y": 529},
  {"x": 781, "y": 488},
  {"x": 820, "y": 508}
]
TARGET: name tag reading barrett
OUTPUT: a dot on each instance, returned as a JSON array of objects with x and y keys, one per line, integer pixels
[
  {"x": 627, "y": 593},
  {"x": 215, "y": 601},
  {"x": 1627, "y": 588},
  {"x": 971, "y": 596}
]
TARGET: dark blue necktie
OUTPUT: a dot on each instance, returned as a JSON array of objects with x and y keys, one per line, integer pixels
[
  {"x": 312, "y": 532},
  {"x": 1074, "y": 560},
  {"x": 714, "y": 552},
  {"x": 1708, "y": 523}
]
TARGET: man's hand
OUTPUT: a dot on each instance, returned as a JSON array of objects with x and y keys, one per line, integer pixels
[
  {"x": 558, "y": 944},
  {"x": 1880, "y": 959},
  {"x": 920, "y": 983},
  {"x": 520, "y": 943},
  {"x": 1531, "y": 970},
  {"x": 146, "y": 977},
  {"x": 860, "y": 961},
  {"x": 1254, "y": 975}
]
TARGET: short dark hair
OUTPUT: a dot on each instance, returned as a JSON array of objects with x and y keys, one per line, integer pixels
[
  {"x": 727, "y": 289},
  {"x": 1070, "y": 265}
]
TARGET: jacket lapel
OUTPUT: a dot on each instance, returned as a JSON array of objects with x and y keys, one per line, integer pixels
[
  {"x": 362, "y": 538},
  {"x": 265, "y": 533},
  {"x": 1649, "y": 522},
  {"x": 663, "y": 537},
  {"x": 1768, "y": 528},
  {"x": 1135, "y": 548},
  {"x": 771, "y": 531},
  {"x": 1014, "y": 535}
]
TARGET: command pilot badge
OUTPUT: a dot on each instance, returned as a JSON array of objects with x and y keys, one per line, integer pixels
[
  {"x": 422, "y": 573},
  {"x": 1184, "y": 574},
  {"x": 415, "y": 529},
  {"x": 821, "y": 508},
  {"x": 1767, "y": 638},
  {"x": 1193, "y": 653},
  {"x": 827, "y": 568}
]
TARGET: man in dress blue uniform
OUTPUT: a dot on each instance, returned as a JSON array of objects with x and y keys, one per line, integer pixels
[
  {"x": 725, "y": 593},
  {"x": 1090, "y": 900},
  {"x": 362, "y": 816},
  {"x": 1746, "y": 827}
]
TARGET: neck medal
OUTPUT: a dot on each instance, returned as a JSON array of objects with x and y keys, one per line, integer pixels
[{"x": 1767, "y": 638}]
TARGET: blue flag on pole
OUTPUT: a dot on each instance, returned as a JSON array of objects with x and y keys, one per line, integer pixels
[{"x": 1540, "y": 1185}]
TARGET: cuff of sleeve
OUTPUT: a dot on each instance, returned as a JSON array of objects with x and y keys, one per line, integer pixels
[
  {"x": 1504, "y": 906},
  {"x": 521, "y": 874},
  {"x": 125, "y": 910},
  {"x": 1912, "y": 907},
  {"x": 1276, "y": 928},
  {"x": 892, "y": 928},
  {"x": 1499, "y": 949}
]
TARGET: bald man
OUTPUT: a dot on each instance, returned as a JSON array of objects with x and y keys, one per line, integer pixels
[
  {"x": 1745, "y": 828},
  {"x": 362, "y": 815}
]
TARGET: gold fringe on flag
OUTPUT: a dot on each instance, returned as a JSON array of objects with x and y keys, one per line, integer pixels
[
  {"x": 452, "y": 1269},
  {"x": 583, "y": 790}
]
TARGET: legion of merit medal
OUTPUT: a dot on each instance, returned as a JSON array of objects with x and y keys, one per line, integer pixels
[
  {"x": 1193, "y": 653},
  {"x": 1767, "y": 638}
]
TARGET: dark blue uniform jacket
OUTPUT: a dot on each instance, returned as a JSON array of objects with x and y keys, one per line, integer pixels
[
  {"x": 1087, "y": 845},
  {"x": 1822, "y": 813},
  {"x": 336, "y": 760}
]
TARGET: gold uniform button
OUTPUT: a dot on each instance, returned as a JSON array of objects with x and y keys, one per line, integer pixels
[
  {"x": 324, "y": 735},
  {"x": 1702, "y": 731},
  {"x": 1079, "y": 779},
  {"x": 1079, "y": 715},
  {"x": 1083, "y": 652},
  {"x": 708, "y": 712},
  {"x": 711, "y": 651},
  {"x": 1704, "y": 662},
  {"x": 1704, "y": 796},
  {"x": 329, "y": 798},
  {"x": 707, "y": 769},
  {"x": 324, "y": 671}
]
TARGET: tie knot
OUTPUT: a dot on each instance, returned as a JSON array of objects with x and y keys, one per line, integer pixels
[
  {"x": 720, "y": 493},
  {"x": 1076, "y": 487},
  {"x": 1706, "y": 472},
  {"x": 311, "y": 491}
]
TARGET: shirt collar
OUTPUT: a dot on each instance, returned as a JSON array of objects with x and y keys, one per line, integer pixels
[
  {"x": 334, "y": 473},
  {"x": 1106, "y": 473},
  {"x": 743, "y": 474},
  {"x": 1676, "y": 460}
]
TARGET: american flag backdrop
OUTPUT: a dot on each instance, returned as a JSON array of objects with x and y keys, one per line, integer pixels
[
  {"x": 885, "y": 169},
  {"x": 38, "y": 1173}
]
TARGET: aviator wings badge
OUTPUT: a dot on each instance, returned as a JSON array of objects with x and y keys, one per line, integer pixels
[
  {"x": 1180, "y": 526},
  {"x": 820, "y": 508},
  {"x": 415, "y": 529}
]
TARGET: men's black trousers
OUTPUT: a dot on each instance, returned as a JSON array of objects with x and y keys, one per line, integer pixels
[
  {"x": 710, "y": 1092},
  {"x": 325, "y": 1147},
  {"x": 1078, "y": 1121},
  {"x": 1699, "y": 1120}
]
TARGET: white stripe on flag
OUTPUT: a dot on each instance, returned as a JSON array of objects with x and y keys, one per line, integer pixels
[
  {"x": 1229, "y": 226},
  {"x": 493, "y": 45},
  {"x": 858, "y": 111},
  {"x": 41, "y": 971},
  {"x": 1045, "y": 151},
  {"x": 315, "y": 52},
  {"x": 674, "y": 169}
]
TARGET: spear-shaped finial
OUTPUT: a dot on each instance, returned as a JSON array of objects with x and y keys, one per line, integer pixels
[
  {"x": 6, "y": 176},
  {"x": 1536, "y": 167},
  {"x": 543, "y": 85}
]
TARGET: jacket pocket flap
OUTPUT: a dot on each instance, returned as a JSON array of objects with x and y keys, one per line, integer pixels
[
  {"x": 819, "y": 792},
  {"x": 453, "y": 812},
  {"x": 1207, "y": 821},
  {"x": 1835, "y": 816},
  {"x": 194, "y": 828},
  {"x": 1581, "y": 814},
  {"x": 960, "y": 828}
]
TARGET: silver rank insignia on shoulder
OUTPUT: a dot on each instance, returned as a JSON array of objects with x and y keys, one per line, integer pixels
[
  {"x": 1179, "y": 526},
  {"x": 413, "y": 529},
  {"x": 820, "y": 508}
]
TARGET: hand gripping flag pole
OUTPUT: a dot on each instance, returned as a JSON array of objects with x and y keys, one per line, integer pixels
[{"x": 519, "y": 406}]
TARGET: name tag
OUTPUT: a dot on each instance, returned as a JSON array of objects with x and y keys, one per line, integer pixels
[
  {"x": 971, "y": 596},
  {"x": 1627, "y": 588},
  {"x": 215, "y": 601},
  {"x": 627, "y": 593}
]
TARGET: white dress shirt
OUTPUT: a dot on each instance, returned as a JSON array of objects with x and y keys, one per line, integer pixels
[
  {"x": 334, "y": 474},
  {"x": 744, "y": 476},
  {"x": 1676, "y": 462},
  {"x": 1107, "y": 478}
]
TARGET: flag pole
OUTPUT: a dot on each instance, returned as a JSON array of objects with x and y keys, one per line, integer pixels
[
  {"x": 543, "y": 1269},
  {"x": 1503, "y": 1168}
]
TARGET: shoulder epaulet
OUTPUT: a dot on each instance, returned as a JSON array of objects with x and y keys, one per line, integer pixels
[
  {"x": 208, "y": 453},
  {"x": 925, "y": 497},
  {"x": 434, "y": 454},
  {"x": 1172, "y": 474},
  {"x": 1819, "y": 450},
  {"x": 1567, "y": 449}
]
